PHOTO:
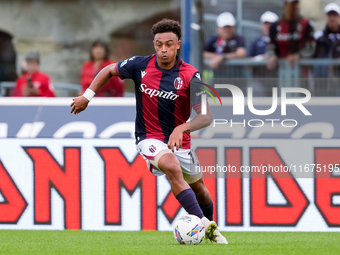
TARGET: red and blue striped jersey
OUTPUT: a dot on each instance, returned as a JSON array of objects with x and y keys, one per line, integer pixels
[{"x": 164, "y": 98}]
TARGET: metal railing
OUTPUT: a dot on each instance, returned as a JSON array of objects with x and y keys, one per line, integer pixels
[
  {"x": 61, "y": 89},
  {"x": 305, "y": 73}
]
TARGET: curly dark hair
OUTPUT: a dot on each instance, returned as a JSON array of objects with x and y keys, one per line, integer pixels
[{"x": 167, "y": 25}]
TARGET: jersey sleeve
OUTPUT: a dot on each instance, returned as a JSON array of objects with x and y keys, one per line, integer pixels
[
  {"x": 196, "y": 91},
  {"x": 124, "y": 69}
]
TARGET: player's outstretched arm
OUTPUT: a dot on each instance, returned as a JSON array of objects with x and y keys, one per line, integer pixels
[
  {"x": 199, "y": 122},
  {"x": 80, "y": 103}
]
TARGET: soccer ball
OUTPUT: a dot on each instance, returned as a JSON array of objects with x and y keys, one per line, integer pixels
[{"x": 189, "y": 229}]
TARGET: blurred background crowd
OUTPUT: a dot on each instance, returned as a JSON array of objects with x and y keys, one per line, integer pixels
[{"x": 56, "y": 47}]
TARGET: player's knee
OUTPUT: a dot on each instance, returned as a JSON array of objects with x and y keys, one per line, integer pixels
[{"x": 173, "y": 171}]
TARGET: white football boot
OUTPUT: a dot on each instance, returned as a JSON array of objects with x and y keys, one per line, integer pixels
[{"x": 212, "y": 233}]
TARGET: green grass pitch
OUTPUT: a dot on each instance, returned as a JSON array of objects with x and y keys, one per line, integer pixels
[{"x": 163, "y": 243}]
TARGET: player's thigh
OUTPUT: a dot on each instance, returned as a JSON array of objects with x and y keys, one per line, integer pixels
[
  {"x": 189, "y": 165},
  {"x": 169, "y": 164},
  {"x": 152, "y": 150}
]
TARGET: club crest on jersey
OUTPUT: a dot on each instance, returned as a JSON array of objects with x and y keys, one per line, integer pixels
[
  {"x": 152, "y": 149},
  {"x": 178, "y": 83}
]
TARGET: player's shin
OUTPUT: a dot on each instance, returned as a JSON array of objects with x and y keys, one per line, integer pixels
[{"x": 188, "y": 200}]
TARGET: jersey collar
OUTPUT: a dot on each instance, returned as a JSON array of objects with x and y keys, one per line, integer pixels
[{"x": 178, "y": 62}]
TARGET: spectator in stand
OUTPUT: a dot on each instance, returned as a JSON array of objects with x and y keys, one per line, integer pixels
[
  {"x": 225, "y": 45},
  {"x": 259, "y": 45},
  {"x": 291, "y": 37},
  {"x": 261, "y": 85},
  {"x": 328, "y": 40},
  {"x": 99, "y": 58},
  {"x": 328, "y": 46},
  {"x": 33, "y": 83}
]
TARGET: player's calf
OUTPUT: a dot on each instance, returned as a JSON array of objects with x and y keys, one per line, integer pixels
[
  {"x": 184, "y": 194},
  {"x": 203, "y": 197}
]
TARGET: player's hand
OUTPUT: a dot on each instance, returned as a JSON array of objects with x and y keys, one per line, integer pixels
[
  {"x": 215, "y": 61},
  {"x": 293, "y": 59},
  {"x": 79, "y": 104},
  {"x": 175, "y": 138},
  {"x": 272, "y": 60},
  {"x": 29, "y": 91}
]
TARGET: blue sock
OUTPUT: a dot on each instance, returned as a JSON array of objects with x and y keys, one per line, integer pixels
[
  {"x": 188, "y": 200},
  {"x": 208, "y": 210}
]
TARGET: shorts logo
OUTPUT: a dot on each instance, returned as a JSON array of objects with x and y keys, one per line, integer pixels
[
  {"x": 178, "y": 83},
  {"x": 152, "y": 149}
]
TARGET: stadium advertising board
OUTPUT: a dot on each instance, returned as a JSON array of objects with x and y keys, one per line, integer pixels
[{"x": 102, "y": 183}]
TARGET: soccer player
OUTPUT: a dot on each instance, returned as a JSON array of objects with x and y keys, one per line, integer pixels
[{"x": 166, "y": 89}]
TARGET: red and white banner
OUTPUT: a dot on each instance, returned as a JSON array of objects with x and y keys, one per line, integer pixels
[{"x": 103, "y": 184}]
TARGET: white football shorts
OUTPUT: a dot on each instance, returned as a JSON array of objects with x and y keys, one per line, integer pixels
[{"x": 152, "y": 149}]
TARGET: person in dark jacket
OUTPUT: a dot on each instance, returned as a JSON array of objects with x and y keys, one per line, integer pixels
[
  {"x": 328, "y": 46},
  {"x": 227, "y": 44},
  {"x": 259, "y": 45},
  {"x": 328, "y": 39}
]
